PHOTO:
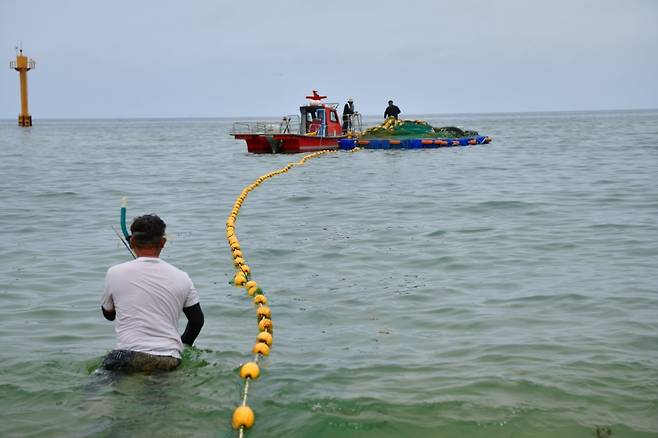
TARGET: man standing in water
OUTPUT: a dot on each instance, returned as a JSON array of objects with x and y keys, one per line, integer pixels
[
  {"x": 391, "y": 110},
  {"x": 146, "y": 297}
]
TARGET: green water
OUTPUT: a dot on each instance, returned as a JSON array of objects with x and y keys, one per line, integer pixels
[{"x": 506, "y": 290}]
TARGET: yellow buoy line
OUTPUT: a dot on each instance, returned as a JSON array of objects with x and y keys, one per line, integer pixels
[{"x": 243, "y": 415}]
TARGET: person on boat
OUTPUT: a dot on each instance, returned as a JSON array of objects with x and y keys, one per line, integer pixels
[
  {"x": 391, "y": 110},
  {"x": 146, "y": 296},
  {"x": 348, "y": 112}
]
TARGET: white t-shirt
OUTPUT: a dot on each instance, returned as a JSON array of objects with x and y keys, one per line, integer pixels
[{"x": 148, "y": 295}]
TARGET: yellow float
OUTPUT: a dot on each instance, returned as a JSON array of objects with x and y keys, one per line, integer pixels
[{"x": 243, "y": 416}]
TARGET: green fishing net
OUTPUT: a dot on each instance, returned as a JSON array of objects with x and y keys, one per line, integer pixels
[{"x": 402, "y": 129}]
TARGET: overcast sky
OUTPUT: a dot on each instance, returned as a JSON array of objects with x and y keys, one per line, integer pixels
[{"x": 208, "y": 58}]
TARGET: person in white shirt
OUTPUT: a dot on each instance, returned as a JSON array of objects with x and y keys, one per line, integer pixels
[{"x": 146, "y": 296}]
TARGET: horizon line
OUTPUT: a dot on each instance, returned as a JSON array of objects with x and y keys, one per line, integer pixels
[{"x": 364, "y": 115}]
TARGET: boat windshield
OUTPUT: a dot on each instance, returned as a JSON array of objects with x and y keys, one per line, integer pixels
[
  {"x": 314, "y": 117},
  {"x": 314, "y": 114}
]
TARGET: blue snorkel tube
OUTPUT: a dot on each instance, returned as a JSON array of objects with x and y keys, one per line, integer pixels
[{"x": 124, "y": 229}]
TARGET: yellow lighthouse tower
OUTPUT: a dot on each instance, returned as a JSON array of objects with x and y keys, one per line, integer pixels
[{"x": 22, "y": 65}]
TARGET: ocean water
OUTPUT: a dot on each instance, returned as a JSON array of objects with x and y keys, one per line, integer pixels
[{"x": 503, "y": 290}]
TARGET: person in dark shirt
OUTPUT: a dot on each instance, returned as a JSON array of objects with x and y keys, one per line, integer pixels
[
  {"x": 348, "y": 111},
  {"x": 391, "y": 110}
]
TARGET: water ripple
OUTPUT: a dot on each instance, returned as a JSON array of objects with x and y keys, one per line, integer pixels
[{"x": 493, "y": 291}]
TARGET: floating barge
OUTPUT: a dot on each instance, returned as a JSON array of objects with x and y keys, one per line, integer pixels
[{"x": 412, "y": 143}]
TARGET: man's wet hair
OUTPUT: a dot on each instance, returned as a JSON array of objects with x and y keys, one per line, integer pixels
[{"x": 147, "y": 230}]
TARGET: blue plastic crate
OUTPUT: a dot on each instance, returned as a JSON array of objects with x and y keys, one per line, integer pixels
[{"x": 346, "y": 144}]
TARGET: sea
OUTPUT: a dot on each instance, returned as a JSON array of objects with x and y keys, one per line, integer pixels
[{"x": 501, "y": 290}]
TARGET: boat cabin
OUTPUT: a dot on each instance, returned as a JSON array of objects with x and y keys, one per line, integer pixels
[{"x": 321, "y": 120}]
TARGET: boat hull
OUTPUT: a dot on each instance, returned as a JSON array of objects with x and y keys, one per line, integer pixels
[
  {"x": 297, "y": 143},
  {"x": 287, "y": 143},
  {"x": 259, "y": 143}
]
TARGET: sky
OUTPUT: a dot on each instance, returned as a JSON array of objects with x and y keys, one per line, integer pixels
[{"x": 215, "y": 58}]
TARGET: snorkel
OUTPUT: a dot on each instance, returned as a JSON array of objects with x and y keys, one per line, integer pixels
[{"x": 124, "y": 229}]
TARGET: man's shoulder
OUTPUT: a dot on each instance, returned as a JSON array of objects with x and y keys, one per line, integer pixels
[
  {"x": 148, "y": 264},
  {"x": 173, "y": 269},
  {"x": 121, "y": 266}
]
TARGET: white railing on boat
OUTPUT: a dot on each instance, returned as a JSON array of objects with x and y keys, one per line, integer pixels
[
  {"x": 290, "y": 125},
  {"x": 287, "y": 125}
]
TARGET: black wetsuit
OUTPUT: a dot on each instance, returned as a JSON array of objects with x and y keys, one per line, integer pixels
[
  {"x": 348, "y": 110},
  {"x": 391, "y": 111}
]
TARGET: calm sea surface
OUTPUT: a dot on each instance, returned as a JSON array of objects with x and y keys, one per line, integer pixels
[{"x": 503, "y": 290}]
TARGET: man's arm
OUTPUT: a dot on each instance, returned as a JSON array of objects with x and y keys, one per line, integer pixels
[
  {"x": 195, "y": 321},
  {"x": 107, "y": 303},
  {"x": 110, "y": 315}
]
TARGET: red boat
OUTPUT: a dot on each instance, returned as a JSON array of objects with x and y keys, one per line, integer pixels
[{"x": 317, "y": 127}]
